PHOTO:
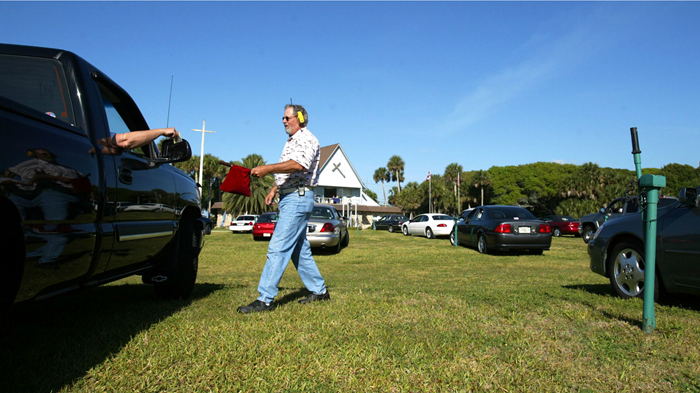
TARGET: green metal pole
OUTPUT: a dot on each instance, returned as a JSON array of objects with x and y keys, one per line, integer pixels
[
  {"x": 649, "y": 186},
  {"x": 649, "y": 217},
  {"x": 456, "y": 232}
]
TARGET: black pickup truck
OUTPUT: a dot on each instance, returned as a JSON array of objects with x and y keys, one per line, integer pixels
[
  {"x": 75, "y": 211},
  {"x": 616, "y": 208}
]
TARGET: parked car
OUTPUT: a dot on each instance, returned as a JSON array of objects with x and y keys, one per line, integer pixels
[
  {"x": 63, "y": 184},
  {"x": 327, "y": 229},
  {"x": 562, "y": 225},
  {"x": 616, "y": 250},
  {"x": 265, "y": 226},
  {"x": 502, "y": 228},
  {"x": 390, "y": 222},
  {"x": 429, "y": 225},
  {"x": 243, "y": 223},
  {"x": 208, "y": 224},
  {"x": 616, "y": 208}
]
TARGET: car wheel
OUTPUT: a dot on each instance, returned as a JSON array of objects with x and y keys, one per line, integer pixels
[
  {"x": 557, "y": 232},
  {"x": 626, "y": 271},
  {"x": 587, "y": 233},
  {"x": 452, "y": 237},
  {"x": 346, "y": 241},
  {"x": 339, "y": 246},
  {"x": 405, "y": 231},
  {"x": 481, "y": 245},
  {"x": 391, "y": 228},
  {"x": 429, "y": 233},
  {"x": 187, "y": 264}
]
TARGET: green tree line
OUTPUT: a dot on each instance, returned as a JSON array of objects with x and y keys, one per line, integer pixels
[{"x": 541, "y": 187}]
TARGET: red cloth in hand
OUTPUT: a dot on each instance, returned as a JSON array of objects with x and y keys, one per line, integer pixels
[{"x": 237, "y": 181}]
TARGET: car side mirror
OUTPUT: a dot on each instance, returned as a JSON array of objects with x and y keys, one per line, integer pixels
[
  {"x": 175, "y": 152},
  {"x": 689, "y": 196},
  {"x": 602, "y": 210}
]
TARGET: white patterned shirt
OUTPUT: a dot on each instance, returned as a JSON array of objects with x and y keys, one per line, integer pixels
[{"x": 303, "y": 148}]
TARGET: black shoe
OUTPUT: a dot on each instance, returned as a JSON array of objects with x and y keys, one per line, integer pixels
[
  {"x": 256, "y": 306},
  {"x": 315, "y": 298}
]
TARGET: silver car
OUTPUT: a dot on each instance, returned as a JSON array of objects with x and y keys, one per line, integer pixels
[{"x": 327, "y": 229}]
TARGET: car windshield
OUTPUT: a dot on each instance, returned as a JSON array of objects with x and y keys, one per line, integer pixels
[
  {"x": 267, "y": 218},
  {"x": 322, "y": 212},
  {"x": 442, "y": 218},
  {"x": 245, "y": 218},
  {"x": 511, "y": 213}
]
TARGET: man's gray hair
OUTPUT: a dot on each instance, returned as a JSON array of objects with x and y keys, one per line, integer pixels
[{"x": 299, "y": 108}]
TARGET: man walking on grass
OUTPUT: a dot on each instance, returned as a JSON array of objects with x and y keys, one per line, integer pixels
[{"x": 295, "y": 176}]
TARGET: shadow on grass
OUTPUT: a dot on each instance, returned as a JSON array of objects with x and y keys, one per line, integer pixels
[
  {"x": 684, "y": 301},
  {"x": 48, "y": 345}
]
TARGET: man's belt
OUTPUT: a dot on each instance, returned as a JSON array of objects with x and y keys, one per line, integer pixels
[{"x": 290, "y": 190}]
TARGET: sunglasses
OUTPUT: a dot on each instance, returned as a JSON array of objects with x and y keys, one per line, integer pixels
[{"x": 288, "y": 118}]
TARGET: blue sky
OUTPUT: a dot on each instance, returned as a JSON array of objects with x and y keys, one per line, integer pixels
[{"x": 481, "y": 84}]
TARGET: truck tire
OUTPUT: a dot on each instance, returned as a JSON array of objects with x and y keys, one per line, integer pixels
[
  {"x": 187, "y": 263},
  {"x": 587, "y": 233}
]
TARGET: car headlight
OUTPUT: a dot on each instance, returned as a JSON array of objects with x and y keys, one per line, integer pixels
[{"x": 600, "y": 228}]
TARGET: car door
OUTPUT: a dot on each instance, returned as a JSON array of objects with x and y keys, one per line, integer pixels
[
  {"x": 680, "y": 237},
  {"x": 419, "y": 228},
  {"x": 472, "y": 225},
  {"x": 48, "y": 174},
  {"x": 413, "y": 224},
  {"x": 144, "y": 198}
]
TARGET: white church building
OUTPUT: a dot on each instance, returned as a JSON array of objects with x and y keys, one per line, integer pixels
[{"x": 338, "y": 182}]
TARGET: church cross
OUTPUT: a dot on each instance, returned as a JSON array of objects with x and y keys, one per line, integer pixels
[{"x": 335, "y": 168}]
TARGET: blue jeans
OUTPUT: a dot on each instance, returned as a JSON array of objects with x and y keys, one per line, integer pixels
[{"x": 289, "y": 242}]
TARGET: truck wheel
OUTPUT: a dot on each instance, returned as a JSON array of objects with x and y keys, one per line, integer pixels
[
  {"x": 587, "y": 233},
  {"x": 187, "y": 263}
]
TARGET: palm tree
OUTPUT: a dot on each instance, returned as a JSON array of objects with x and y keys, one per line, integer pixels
[
  {"x": 396, "y": 167},
  {"x": 480, "y": 180},
  {"x": 452, "y": 173},
  {"x": 259, "y": 188},
  {"x": 382, "y": 175}
]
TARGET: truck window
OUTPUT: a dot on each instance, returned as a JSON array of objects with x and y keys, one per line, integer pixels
[
  {"x": 37, "y": 83},
  {"x": 115, "y": 121}
]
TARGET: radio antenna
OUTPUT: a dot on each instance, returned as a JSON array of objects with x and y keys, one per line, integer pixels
[
  {"x": 170, "y": 99},
  {"x": 290, "y": 101}
]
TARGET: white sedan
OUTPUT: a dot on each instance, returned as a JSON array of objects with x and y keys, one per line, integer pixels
[
  {"x": 243, "y": 223},
  {"x": 429, "y": 225}
]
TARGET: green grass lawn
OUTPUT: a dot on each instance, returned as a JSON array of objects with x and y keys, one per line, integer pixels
[{"x": 407, "y": 314}]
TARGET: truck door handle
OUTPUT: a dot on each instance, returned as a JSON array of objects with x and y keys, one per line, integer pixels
[{"x": 125, "y": 175}]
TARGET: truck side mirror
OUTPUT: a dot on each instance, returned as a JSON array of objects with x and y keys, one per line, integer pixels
[
  {"x": 689, "y": 196},
  {"x": 175, "y": 152}
]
